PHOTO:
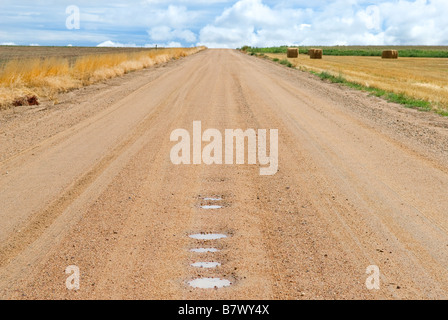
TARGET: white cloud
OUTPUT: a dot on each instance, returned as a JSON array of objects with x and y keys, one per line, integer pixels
[
  {"x": 176, "y": 17},
  {"x": 371, "y": 17},
  {"x": 172, "y": 44},
  {"x": 254, "y": 23},
  {"x": 165, "y": 33},
  {"x": 112, "y": 44},
  {"x": 340, "y": 22},
  {"x": 228, "y": 23}
]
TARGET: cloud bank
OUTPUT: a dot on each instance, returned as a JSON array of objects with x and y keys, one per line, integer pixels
[{"x": 227, "y": 24}]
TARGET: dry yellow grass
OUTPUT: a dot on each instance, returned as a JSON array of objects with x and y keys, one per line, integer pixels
[
  {"x": 45, "y": 77},
  {"x": 420, "y": 78}
]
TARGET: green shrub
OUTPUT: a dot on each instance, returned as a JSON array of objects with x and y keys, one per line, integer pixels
[{"x": 286, "y": 62}]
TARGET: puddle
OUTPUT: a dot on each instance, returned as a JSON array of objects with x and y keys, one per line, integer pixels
[
  {"x": 214, "y": 207},
  {"x": 209, "y": 283},
  {"x": 210, "y": 236},
  {"x": 204, "y": 250},
  {"x": 207, "y": 265}
]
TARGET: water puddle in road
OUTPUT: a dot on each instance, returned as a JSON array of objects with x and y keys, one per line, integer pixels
[
  {"x": 212, "y": 199},
  {"x": 204, "y": 250},
  {"x": 213, "y": 207},
  {"x": 207, "y": 265},
  {"x": 209, "y": 283},
  {"x": 210, "y": 236}
]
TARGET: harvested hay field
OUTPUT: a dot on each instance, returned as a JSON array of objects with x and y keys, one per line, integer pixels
[
  {"x": 72, "y": 53},
  {"x": 43, "y": 72},
  {"x": 420, "y": 78},
  {"x": 366, "y": 51}
]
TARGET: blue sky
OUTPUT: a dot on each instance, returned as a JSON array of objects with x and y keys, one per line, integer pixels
[{"x": 225, "y": 24}]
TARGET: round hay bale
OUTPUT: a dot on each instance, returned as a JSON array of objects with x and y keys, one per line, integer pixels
[
  {"x": 293, "y": 53},
  {"x": 315, "y": 53},
  {"x": 390, "y": 54}
]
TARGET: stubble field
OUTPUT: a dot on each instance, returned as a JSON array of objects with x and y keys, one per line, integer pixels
[
  {"x": 44, "y": 72},
  {"x": 419, "y": 78}
]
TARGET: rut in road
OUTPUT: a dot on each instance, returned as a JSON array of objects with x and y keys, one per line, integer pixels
[{"x": 351, "y": 191}]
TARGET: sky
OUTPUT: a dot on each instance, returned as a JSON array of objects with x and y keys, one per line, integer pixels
[{"x": 223, "y": 23}]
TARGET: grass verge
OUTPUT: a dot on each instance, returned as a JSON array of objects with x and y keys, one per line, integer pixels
[
  {"x": 399, "y": 98},
  {"x": 286, "y": 62}
]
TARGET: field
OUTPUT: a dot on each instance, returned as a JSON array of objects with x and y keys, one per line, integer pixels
[
  {"x": 72, "y": 53},
  {"x": 373, "y": 51},
  {"x": 43, "y": 72},
  {"x": 417, "y": 78}
]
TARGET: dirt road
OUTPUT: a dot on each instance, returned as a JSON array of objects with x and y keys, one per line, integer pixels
[{"x": 90, "y": 183}]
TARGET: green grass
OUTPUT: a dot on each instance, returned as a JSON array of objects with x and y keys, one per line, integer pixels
[
  {"x": 370, "y": 51},
  {"x": 286, "y": 62},
  {"x": 399, "y": 98},
  {"x": 327, "y": 76}
]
